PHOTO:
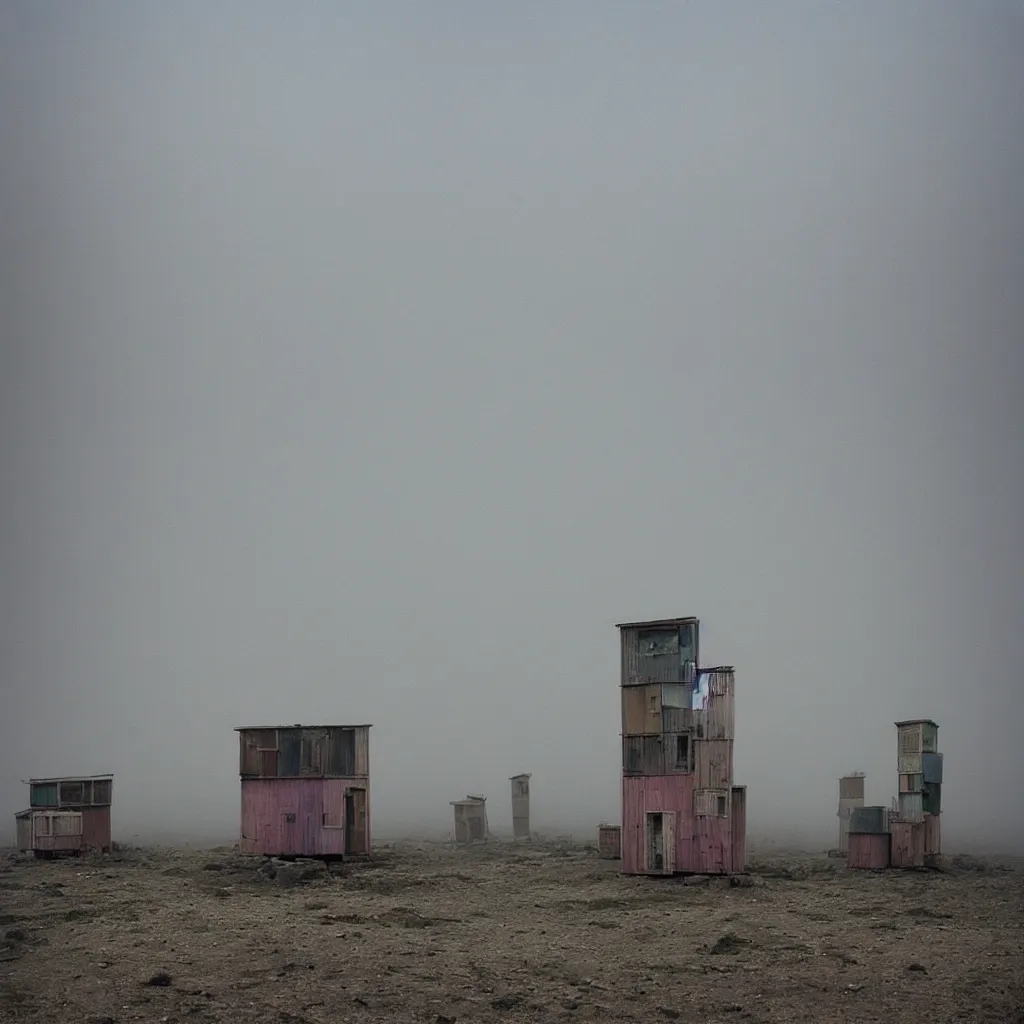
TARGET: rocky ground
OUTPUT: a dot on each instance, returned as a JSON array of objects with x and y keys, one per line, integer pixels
[{"x": 545, "y": 932}]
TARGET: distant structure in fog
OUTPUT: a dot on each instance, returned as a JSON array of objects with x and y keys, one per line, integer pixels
[
  {"x": 521, "y": 805},
  {"x": 908, "y": 835},
  {"x": 305, "y": 790},
  {"x": 66, "y": 815},
  {"x": 681, "y": 812},
  {"x": 914, "y": 824},
  {"x": 609, "y": 841},
  {"x": 470, "y": 819},
  {"x": 851, "y": 795}
]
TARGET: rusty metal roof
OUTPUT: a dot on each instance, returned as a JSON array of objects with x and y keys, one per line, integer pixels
[
  {"x": 297, "y": 725},
  {"x": 655, "y": 623}
]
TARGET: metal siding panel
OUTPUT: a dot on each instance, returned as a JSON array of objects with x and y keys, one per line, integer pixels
[
  {"x": 641, "y": 710},
  {"x": 289, "y": 757},
  {"x": 23, "y": 826},
  {"x": 911, "y": 806},
  {"x": 907, "y": 849},
  {"x": 678, "y": 757},
  {"x": 846, "y": 807},
  {"x": 911, "y": 783},
  {"x": 713, "y": 845},
  {"x": 908, "y": 738},
  {"x": 96, "y": 828},
  {"x": 868, "y": 851},
  {"x": 713, "y": 763},
  {"x": 932, "y": 835},
  {"x": 851, "y": 787},
  {"x": 609, "y": 842},
  {"x": 677, "y": 719},
  {"x": 931, "y": 767},
  {"x": 643, "y": 794},
  {"x": 738, "y": 837},
  {"x": 43, "y": 794},
  {"x": 341, "y": 753},
  {"x": 931, "y": 798},
  {"x": 929, "y": 737},
  {"x": 362, "y": 765},
  {"x": 675, "y": 665},
  {"x": 720, "y": 708},
  {"x": 909, "y": 764},
  {"x": 873, "y": 819}
]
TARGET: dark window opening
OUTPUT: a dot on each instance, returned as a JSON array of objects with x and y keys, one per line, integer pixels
[
  {"x": 721, "y": 806},
  {"x": 289, "y": 819},
  {"x": 682, "y": 751}
]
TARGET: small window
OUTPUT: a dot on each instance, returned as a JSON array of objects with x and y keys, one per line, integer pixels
[{"x": 721, "y": 806}]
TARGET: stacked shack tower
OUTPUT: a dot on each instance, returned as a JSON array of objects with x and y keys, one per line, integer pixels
[
  {"x": 851, "y": 796},
  {"x": 681, "y": 812},
  {"x": 916, "y": 837}
]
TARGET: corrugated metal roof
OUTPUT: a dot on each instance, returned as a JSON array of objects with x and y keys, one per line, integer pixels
[
  {"x": 257, "y": 728},
  {"x": 68, "y": 778},
  {"x": 916, "y": 721},
  {"x": 655, "y": 623},
  {"x": 523, "y": 775}
]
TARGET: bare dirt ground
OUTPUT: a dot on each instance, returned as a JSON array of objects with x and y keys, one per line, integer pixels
[{"x": 545, "y": 932}]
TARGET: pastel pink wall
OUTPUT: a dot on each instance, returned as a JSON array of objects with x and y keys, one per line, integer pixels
[{"x": 318, "y": 806}]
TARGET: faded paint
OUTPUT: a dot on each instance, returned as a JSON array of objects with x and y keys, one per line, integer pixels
[
  {"x": 720, "y": 705},
  {"x": 520, "y": 806},
  {"x": 649, "y": 795},
  {"x": 319, "y": 751},
  {"x": 713, "y": 763},
  {"x": 932, "y": 836},
  {"x": 679, "y": 752},
  {"x": 739, "y": 829},
  {"x": 96, "y": 829},
  {"x": 470, "y": 819},
  {"x": 643, "y": 755},
  {"x": 712, "y": 845},
  {"x": 641, "y": 710},
  {"x": 869, "y": 851},
  {"x": 917, "y": 736},
  {"x": 305, "y": 817},
  {"x": 907, "y": 844},
  {"x": 870, "y": 819},
  {"x": 662, "y": 651},
  {"x": 931, "y": 768},
  {"x": 609, "y": 842},
  {"x": 909, "y": 764},
  {"x": 23, "y": 827},
  {"x": 851, "y": 787},
  {"x": 911, "y": 783},
  {"x": 711, "y": 803},
  {"x": 911, "y": 806}
]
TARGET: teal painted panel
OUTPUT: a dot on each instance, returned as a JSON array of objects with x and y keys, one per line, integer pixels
[{"x": 43, "y": 795}]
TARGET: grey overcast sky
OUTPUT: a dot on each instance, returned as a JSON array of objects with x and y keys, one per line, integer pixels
[{"x": 369, "y": 362}]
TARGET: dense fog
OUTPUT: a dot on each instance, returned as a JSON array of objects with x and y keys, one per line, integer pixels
[{"x": 370, "y": 363}]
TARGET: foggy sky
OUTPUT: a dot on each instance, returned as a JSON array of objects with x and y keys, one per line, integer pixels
[{"x": 368, "y": 363}]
